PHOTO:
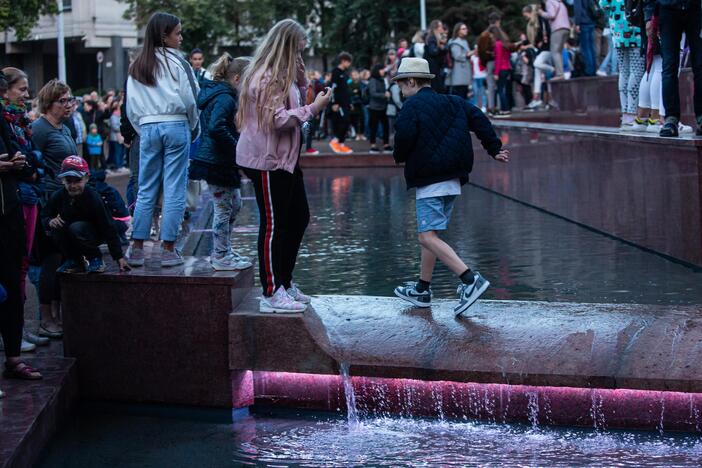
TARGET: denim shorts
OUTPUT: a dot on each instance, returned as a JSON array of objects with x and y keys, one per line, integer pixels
[{"x": 434, "y": 213}]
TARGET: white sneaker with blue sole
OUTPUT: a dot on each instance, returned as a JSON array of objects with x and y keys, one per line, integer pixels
[
  {"x": 409, "y": 293},
  {"x": 469, "y": 293}
]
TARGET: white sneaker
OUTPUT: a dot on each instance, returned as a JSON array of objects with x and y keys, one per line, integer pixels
[
  {"x": 229, "y": 263},
  {"x": 682, "y": 128},
  {"x": 237, "y": 255},
  {"x": 654, "y": 127},
  {"x": 601, "y": 73},
  {"x": 135, "y": 257},
  {"x": 297, "y": 295},
  {"x": 535, "y": 104},
  {"x": 281, "y": 303},
  {"x": 637, "y": 126},
  {"x": 2, "y": 394},
  {"x": 35, "y": 339},
  {"x": 27, "y": 347},
  {"x": 171, "y": 258},
  {"x": 627, "y": 127}
]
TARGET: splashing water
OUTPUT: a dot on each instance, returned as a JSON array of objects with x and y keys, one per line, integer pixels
[
  {"x": 533, "y": 409},
  {"x": 351, "y": 410}
]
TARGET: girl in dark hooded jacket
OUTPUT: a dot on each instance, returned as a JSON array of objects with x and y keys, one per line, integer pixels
[{"x": 215, "y": 160}]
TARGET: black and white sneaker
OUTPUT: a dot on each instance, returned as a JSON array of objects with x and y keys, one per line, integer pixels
[
  {"x": 469, "y": 293},
  {"x": 408, "y": 292}
]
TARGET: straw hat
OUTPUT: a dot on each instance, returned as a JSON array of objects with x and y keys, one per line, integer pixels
[{"x": 413, "y": 67}]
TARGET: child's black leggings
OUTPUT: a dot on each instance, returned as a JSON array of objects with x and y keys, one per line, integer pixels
[{"x": 284, "y": 215}]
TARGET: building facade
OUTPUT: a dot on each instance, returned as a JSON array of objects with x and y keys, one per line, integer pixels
[{"x": 90, "y": 27}]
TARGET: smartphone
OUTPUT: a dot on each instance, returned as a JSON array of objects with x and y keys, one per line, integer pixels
[{"x": 4, "y": 157}]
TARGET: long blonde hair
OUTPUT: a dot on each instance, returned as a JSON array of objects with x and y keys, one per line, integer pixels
[{"x": 277, "y": 55}]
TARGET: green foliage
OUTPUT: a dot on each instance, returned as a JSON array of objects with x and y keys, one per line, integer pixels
[
  {"x": 205, "y": 22},
  {"x": 22, "y": 15},
  {"x": 363, "y": 27}
]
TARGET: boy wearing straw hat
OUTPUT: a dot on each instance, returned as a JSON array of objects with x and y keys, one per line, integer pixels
[{"x": 433, "y": 140}]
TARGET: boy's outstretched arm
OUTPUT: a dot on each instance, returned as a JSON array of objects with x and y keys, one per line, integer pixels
[
  {"x": 406, "y": 130},
  {"x": 479, "y": 124}
]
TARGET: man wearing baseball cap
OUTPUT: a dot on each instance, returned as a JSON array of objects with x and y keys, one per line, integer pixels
[{"x": 79, "y": 222}]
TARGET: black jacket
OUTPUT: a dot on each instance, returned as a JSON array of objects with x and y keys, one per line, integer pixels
[
  {"x": 432, "y": 138},
  {"x": 651, "y": 6},
  {"x": 87, "y": 207},
  {"x": 436, "y": 56},
  {"x": 342, "y": 93},
  {"x": 215, "y": 160}
]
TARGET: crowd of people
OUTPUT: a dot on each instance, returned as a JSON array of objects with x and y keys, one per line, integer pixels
[
  {"x": 500, "y": 72},
  {"x": 182, "y": 125}
]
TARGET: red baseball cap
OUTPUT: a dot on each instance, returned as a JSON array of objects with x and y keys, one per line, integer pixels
[{"x": 74, "y": 166}]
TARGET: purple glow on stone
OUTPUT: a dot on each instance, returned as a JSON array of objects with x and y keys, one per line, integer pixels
[{"x": 601, "y": 408}]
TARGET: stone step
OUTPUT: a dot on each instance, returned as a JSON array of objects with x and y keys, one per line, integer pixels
[
  {"x": 32, "y": 412},
  {"x": 153, "y": 334}
]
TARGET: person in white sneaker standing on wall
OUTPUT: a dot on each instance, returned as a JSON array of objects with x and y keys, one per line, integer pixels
[
  {"x": 162, "y": 106},
  {"x": 269, "y": 118}
]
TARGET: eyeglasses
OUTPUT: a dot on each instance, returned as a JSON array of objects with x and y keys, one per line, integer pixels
[{"x": 66, "y": 101}]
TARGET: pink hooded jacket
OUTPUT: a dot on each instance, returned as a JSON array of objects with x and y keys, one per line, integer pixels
[{"x": 278, "y": 149}]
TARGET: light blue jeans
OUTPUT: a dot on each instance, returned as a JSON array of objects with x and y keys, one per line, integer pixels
[
  {"x": 610, "y": 60},
  {"x": 163, "y": 163}
]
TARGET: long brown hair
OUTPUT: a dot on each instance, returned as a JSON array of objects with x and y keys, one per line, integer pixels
[
  {"x": 146, "y": 66},
  {"x": 275, "y": 55}
]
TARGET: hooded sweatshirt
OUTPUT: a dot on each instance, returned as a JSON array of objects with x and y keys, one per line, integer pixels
[{"x": 215, "y": 160}]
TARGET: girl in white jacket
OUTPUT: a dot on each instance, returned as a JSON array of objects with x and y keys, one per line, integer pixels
[{"x": 161, "y": 105}]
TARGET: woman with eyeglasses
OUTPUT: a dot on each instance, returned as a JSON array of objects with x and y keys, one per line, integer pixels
[{"x": 50, "y": 135}]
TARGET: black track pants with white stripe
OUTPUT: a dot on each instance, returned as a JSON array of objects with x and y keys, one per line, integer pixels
[{"x": 284, "y": 215}]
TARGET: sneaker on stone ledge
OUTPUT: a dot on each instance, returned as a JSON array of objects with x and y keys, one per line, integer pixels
[
  {"x": 409, "y": 293},
  {"x": 281, "y": 303},
  {"x": 639, "y": 125},
  {"x": 670, "y": 129},
  {"x": 96, "y": 265},
  {"x": 339, "y": 148},
  {"x": 469, "y": 293},
  {"x": 171, "y": 258},
  {"x": 311, "y": 152},
  {"x": 228, "y": 263},
  {"x": 35, "y": 339},
  {"x": 135, "y": 257},
  {"x": 297, "y": 295}
]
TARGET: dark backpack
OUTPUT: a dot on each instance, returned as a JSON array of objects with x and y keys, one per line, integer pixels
[{"x": 634, "y": 12}]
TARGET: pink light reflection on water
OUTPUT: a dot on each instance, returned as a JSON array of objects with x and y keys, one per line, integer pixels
[{"x": 584, "y": 407}]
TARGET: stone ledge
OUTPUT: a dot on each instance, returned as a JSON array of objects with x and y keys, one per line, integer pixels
[{"x": 520, "y": 343}]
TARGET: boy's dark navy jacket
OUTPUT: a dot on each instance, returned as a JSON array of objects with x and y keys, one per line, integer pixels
[
  {"x": 215, "y": 160},
  {"x": 87, "y": 207},
  {"x": 432, "y": 138}
]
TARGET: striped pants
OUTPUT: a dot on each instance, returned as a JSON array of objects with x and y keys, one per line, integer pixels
[{"x": 283, "y": 218}]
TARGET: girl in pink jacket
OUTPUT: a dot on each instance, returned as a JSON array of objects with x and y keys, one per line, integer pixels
[{"x": 271, "y": 114}]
